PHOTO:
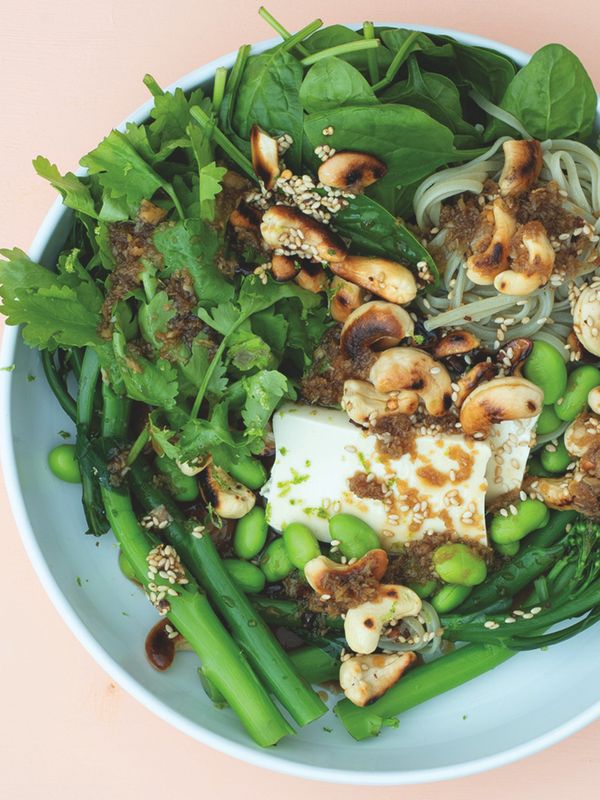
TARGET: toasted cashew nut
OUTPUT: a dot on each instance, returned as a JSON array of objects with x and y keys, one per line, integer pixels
[
  {"x": 283, "y": 268},
  {"x": 522, "y": 166},
  {"x": 246, "y": 217},
  {"x": 413, "y": 374},
  {"x": 365, "y": 678},
  {"x": 350, "y": 171},
  {"x": 150, "y": 213},
  {"x": 345, "y": 298},
  {"x": 312, "y": 277},
  {"x": 594, "y": 400},
  {"x": 229, "y": 498},
  {"x": 527, "y": 275},
  {"x": 363, "y": 403},
  {"x": 387, "y": 279},
  {"x": 323, "y": 244},
  {"x": 517, "y": 351},
  {"x": 363, "y": 625},
  {"x": 586, "y": 318},
  {"x": 375, "y": 326},
  {"x": 324, "y": 575},
  {"x": 582, "y": 440},
  {"x": 484, "y": 371},
  {"x": 555, "y": 492},
  {"x": 265, "y": 156},
  {"x": 455, "y": 343},
  {"x": 483, "y": 267},
  {"x": 498, "y": 400}
]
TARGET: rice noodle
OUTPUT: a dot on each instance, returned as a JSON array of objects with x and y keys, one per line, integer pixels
[
  {"x": 427, "y": 637},
  {"x": 457, "y": 301}
]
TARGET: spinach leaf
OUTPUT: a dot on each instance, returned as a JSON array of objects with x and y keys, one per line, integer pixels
[
  {"x": 374, "y": 231},
  {"x": 269, "y": 95},
  {"x": 394, "y": 39},
  {"x": 332, "y": 83},
  {"x": 334, "y": 35},
  {"x": 552, "y": 96},
  {"x": 485, "y": 70},
  {"x": 408, "y": 141}
]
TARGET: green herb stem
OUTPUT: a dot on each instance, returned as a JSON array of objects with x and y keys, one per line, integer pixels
[
  {"x": 300, "y": 35},
  {"x": 278, "y": 28},
  {"x": 341, "y": 50},
  {"x": 57, "y": 385},
  {"x": 137, "y": 447},
  {"x": 219, "y": 87},
  {"x": 372, "y": 65},
  {"x": 152, "y": 86},
  {"x": 399, "y": 59},
  {"x": 219, "y": 138}
]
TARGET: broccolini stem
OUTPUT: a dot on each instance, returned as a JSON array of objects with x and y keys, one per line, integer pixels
[{"x": 57, "y": 385}]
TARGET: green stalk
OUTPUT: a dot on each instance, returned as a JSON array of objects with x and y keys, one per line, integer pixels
[
  {"x": 372, "y": 65},
  {"x": 419, "y": 685},
  {"x": 315, "y": 664},
  {"x": 58, "y": 386},
  {"x": 219, "y": 138},
  {"x": 300, "y": 35},
  {"x": 90, "y": 493},
  {"x": 287, "y": 614},
  {"x": 219, "y": 87},
  {"x": 397, "y": 61},
  {"x": 262, "y": 649},
  {"x": 152, "y": 86},
  {"x": 340, "y": 50},
  {"x": 137, "y": 447},
  {"x": 278, "y": 28},
  {"x": 190, "y": 611}
]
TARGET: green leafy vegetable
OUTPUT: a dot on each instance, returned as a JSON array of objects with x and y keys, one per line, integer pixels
[
  {"x": 75, "y": 192},
  {"x": 332, "y": 83}
]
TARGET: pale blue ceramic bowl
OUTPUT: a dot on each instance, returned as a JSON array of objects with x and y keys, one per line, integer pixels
[{"x": 529, "y": 703}]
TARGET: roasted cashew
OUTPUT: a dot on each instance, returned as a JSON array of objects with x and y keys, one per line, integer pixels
[
  {"x": 586, "y": 317},
  {"x": 455, "y": 343},
  {"x": 367, "y": 677},
  {"x": 324, "y": 575},
  {"x": 363, "y": 625},
  {"x": 534, "y": 268},
  {"x": 387, "y": 279},
  {"x": 522, "y": 166},
  {"x": 364, "y": 404},
  {"x": 351, "y": 172},
  {"x": 413, "y": 374},
  {"x": 318, "y": 241},
  {"x": 265, "y": 156},
  {"x": 375, "y": 326},
  {"x": 498, "y": 400},
  {"x": 483, "y": 267},
  {"x": 346, "y": 297}
]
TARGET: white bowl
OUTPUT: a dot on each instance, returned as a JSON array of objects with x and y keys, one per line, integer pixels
[{"x": 532, "y": 701}]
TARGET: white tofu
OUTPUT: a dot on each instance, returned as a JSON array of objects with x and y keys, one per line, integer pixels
[
  {"x": 510, "y": 442},
  {"x": 319, "y": 450}
]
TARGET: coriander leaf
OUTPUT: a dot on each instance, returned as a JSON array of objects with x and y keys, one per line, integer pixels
[
  {"x": 272, "y": 328},
  {"x": 76, "y": 194},
  {"x": 55, "y": 310},
  {"x": 193, "y": 370},
  {"x": 222, "y": 318},
  {"x": 171, "y": 115},
  {"x": 247, "y": 351},
  {"x": 255, "y": 296},
  {"x": 123, "y": 173},
  {"x": 154, "y": 319},
  {"x": 195, "y": 246},
  {"x": 150, "y": 382},
  {"x": 210, "y": 186},
  {"x": 264, "y": 392}
]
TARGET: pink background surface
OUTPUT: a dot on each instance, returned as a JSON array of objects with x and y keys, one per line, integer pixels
[{"x": 69, "y": 71}]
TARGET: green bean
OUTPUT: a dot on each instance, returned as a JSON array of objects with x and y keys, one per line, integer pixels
[
  {"x": 355, "y": 537},
  {"x": 249, "y": 471},
  {"x": 449, "y": 597},
  {"x": 555, "y": 458},
  {"x": 300, "y": 544},
  {"x": 126, "y": 567},
  {"x": 509, "y": 549},
  {"x": 184, "y": 488},
  {"x": 546, "y": 368},
  {"x": 574, "y": 399},
  {"x": 424, "y": 590},
  {"x": 63, "y": 463},
  {"x": 250, "y": 534},
  {"x": 457, "y": 563},
  {"x": 531, "y": 514},
  {"x": 548, "y": 421},
  {"x": 275, "y": 562},
  {"x": 247, "y": 576}
]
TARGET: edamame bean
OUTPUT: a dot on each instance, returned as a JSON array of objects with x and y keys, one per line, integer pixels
[
  {"x": 546, "y": 368},
  {"x": 63, "y": 463},
  {"x": 250, "y": 534},
  {"x": 300, "y": 544},
  {"x": 574, "y": 399},
  {"x": 458, "y": 564},
  {"x": 509, "y": 549},
  {"x": 184, "y": 488},
  {"x": 449, "y": 597},
  {"x": 531, "y": 514},
  {"x": 355, "y": 537},
  {"x": 275, "y": 562},
  {"x": 548, "y": 421},
  {"x": 534, "y": 467},
  {"x": 554, "y": 457},
  {"x": 249, "y": 471},
  {"x": 125, "y": 567},
  {"x": 247, "y": 576},
  {"x": 424, "y": 590}
]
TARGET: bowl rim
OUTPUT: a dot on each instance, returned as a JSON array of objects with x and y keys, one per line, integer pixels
[{"x": 246, "y": 753}]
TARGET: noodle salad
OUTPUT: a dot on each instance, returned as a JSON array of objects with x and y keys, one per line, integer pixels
[{"x": 328, "y": 332}]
